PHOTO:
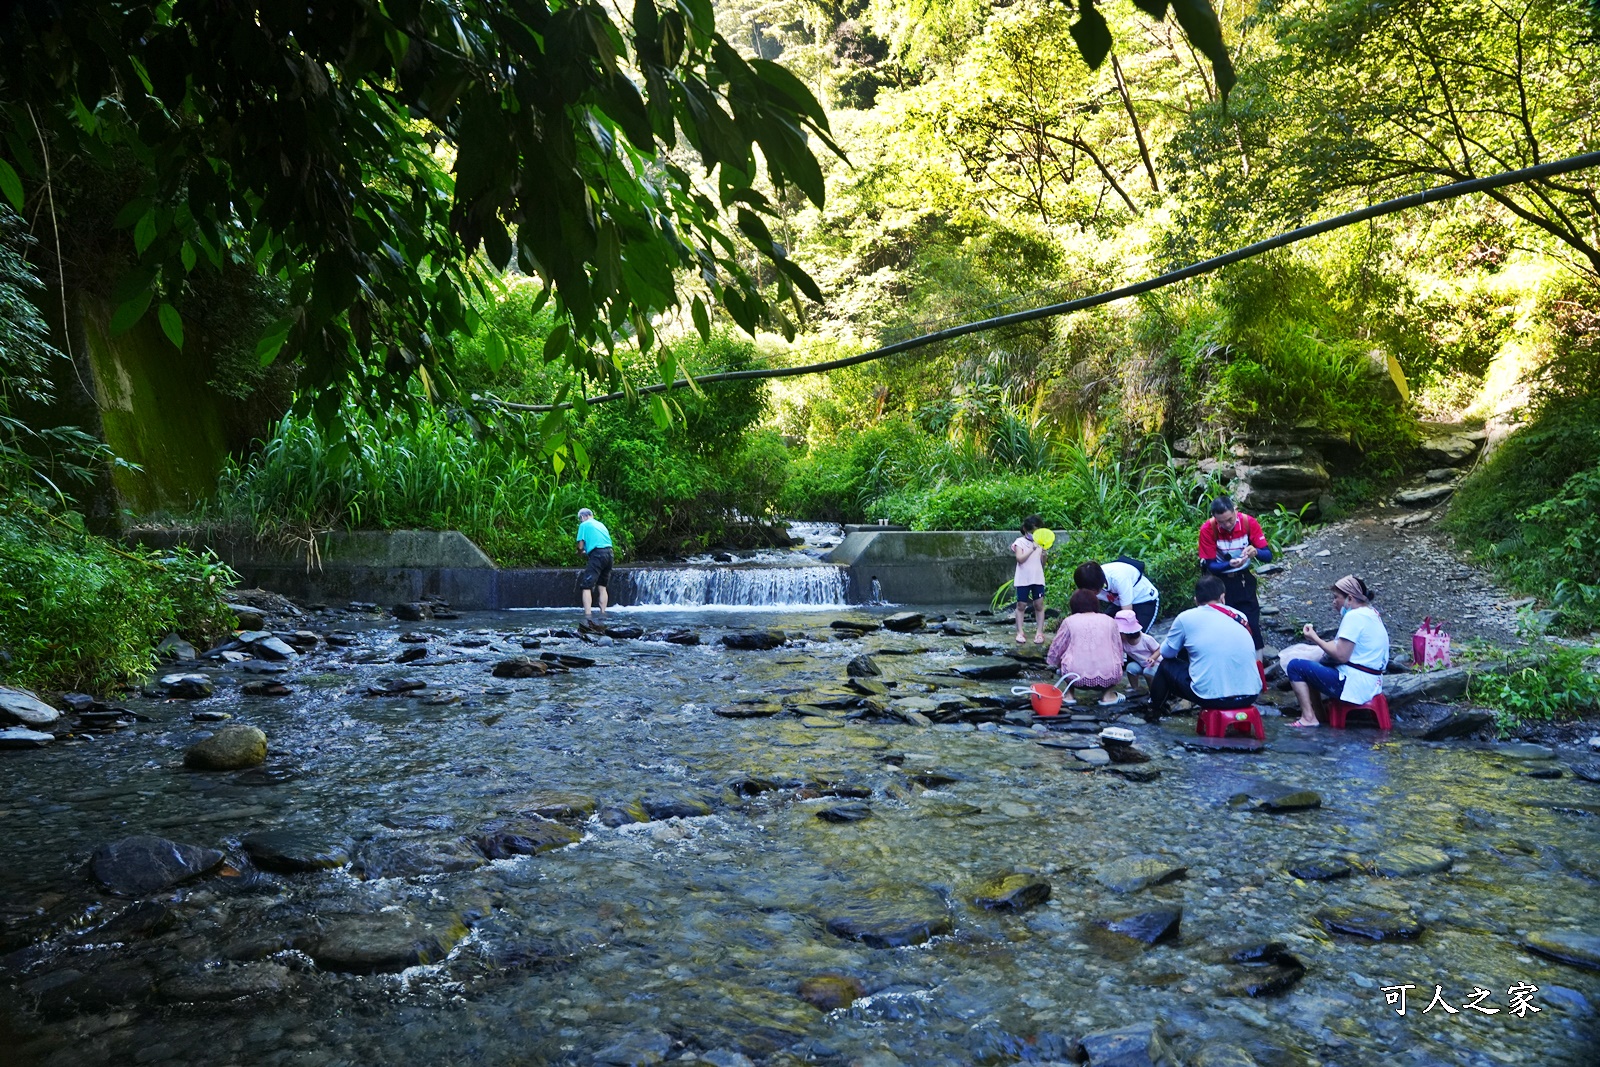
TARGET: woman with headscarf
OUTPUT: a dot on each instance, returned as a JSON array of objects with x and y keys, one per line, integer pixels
[{"x": 1352, "y": 664}]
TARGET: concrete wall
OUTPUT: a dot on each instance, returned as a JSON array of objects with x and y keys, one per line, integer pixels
[{"x": 928, "y": 567}]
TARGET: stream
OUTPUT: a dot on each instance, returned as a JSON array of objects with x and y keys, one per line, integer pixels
[{"x": 775, "y": 850}]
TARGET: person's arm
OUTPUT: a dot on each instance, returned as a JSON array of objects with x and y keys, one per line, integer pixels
[
  {"x": 1339, "y": 648},
  {"x": 1058, "y": 647},
  {"x": 1258, "y": 543},
  {"x": 1209, "y": 558},
  {"x": 1023, "y": 549},
  {"x": 1174, "y": 642}
]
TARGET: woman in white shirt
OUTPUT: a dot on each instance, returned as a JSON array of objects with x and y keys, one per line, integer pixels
[{"x": 1359, "y": 652}]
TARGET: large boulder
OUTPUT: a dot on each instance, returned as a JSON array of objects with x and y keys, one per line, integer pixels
[
  {"x": 232, "y": 748},
  {"x": 1447, "y": 450},
  {"x": 18, "y": 707},
  {"x": 139, "y": 865}
]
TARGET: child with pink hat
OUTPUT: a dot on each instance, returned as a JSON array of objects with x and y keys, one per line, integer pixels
[{"x": 1142, "y": 651}]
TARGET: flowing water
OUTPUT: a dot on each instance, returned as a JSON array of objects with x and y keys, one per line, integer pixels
[{"x": 687, "y": 938}]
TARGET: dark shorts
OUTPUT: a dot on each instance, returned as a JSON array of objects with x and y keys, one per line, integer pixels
[
  {"x": 1313, "y": 673},
  {"x": 598, "y": 570},
  {"x": 1027, "y": 594}
]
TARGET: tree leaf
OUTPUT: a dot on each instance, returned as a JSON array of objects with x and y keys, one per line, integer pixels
[
  {"x": 145, "y": 231},
  {"x": 188, "y": 255},
  {"x": 702, "y": 318},
  {"x": 1156, "y": 9},
  {"x": 10, "y": 184},
  {"x": 171, "y": 324},
  {"x": 1200, "y": 25},
  {"x": 131, "y": 311},
  {"x": 1093, "y": 36}
]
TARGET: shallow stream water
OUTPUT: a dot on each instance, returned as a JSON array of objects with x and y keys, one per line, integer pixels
[{"x": 687, "y": 938}]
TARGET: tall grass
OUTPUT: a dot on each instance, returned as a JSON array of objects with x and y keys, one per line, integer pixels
[{"x": 391, "y": 474}]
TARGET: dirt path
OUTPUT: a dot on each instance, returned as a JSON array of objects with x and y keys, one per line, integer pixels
[{"x": 1415, "y": 572}]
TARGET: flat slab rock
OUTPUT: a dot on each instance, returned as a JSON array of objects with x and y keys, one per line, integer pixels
[
  {"x": 1373, "y": 924},
  {"x": 1133, "y": 873},
  {"x": 526, "y": 837},
  {"x": 893, "y": 918},
  {"x": 1408, "y": 861},
  {"x": 1577, "y": 948},
  {"x": 1223, "y": 744},
  {"x": 1147, "y": 927},
  {"x": 988, "y": 670},
  {"x": 20, "y": 707},
  {"x": 1139, "y": 1045},
  {"x": 1319, "y": 869},
  {"x": 290, "y": 851},
  {"x": 1013, "y": 891},
  {"x": 381, "y": 943},
  {"x": 136, "y": 866},
  {"x": 22, "y": 737}
]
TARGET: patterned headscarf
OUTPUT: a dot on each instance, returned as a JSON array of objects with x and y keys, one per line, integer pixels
[{"x": 1354, "y": 588}]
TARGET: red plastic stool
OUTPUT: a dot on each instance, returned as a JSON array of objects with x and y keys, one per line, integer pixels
[
  {"x": 1378, "y": 706},
  {"x": 1216, "y": 722}
]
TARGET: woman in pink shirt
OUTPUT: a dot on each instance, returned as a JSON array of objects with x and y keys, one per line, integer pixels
[
  {"x": 1089, "y": 646},
  {"x": 1029, "y": 580}
]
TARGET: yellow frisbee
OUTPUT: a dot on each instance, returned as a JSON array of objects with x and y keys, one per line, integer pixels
[{"x": 1044, "y": 538}]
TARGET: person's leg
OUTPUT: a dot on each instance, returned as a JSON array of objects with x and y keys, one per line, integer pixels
[
  {"x": 1145, "y": 612},
  {"x": 1038, "y": 620},
  {"x": 1171, "y": 680},
  {"x": 1022, "y": 617},
  {"x": 588, "y": 605},
  {"x": 604, "y": 596},
  {"x": 1310, "y": 680}
]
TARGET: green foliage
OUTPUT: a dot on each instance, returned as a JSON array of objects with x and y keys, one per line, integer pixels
[
  {"x": 1532, "y": 510},
  {"x": 78, "y": 612},
  {"x": 1561, "y": 683},
  {"x": 554, "y": 133}
]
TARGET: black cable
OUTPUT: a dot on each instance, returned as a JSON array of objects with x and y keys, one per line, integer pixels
[{"x": 1205, "y": 266}]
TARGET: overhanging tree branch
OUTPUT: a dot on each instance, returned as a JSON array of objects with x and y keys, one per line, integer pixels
[{"x": 1487, "y": 184}]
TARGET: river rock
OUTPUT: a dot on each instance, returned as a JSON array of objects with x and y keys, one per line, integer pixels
[
  {"x": 22, "y": 708},
  {"x": 1522, "y": 750},
  {"x": 527, "y": 837},
  {"x": 904, "y": 622},
  {"x": 1094, "y": 757},
  {"x": 1013, "y": 891},
  {"x": 666, "y": 807},
  {"x": 988, "y": 670},
  {"x": 1424, "y": 496},
  {"x": 246, "y": 617},
  {"x": 291, "y": 851},
  {"x": 867, "y": 687},
  {"x": 389, "y": 859},
  {"x": 381, "y": 943},
  {"x": 559, "y": 805},
  {"x": 747, "y": 711},
  {"x": 1319, "y": 869},
  {"x": 1374, "y": 924},
  {"x": 66, "y": 990},
  {"x": 1441, "y": 686},
  {"x": 642, "y": 1049},
  {"x": 412, "y": 655},
  {"x": 958, "y": 629},
  {"x": 1576, "y": 948},
  {"x": 141, "y": 919},
  {"x": 409, "y": 612},
  {"x": 229, "y": 982},
  {"x": 520, "y": 667},
  {"x": 830, "y": 992},
  {"x": 184, "y": 686},
  {"x": 615, "y": 815},
  {"x": 901, "y": 918},
  {"x": 862, "y": 667},
  {"x": 1273, "y": 969},
  {"x": 675, "y": 637},
  {"x": 1147, "y": 927},
  {"x": 1223, "y": 1056},
  {"x": 1137, "y": 774},
  {"x": 1406, "y": 861},
  {"x": 136, "y": 866},
  {"x": 754, "y": 640},
  {"x": 1139, "y": 1045},
  {"x": 1460, "y": 724},
  {"x": 1295, "y": 800},
  {"x": 1243, "y": 745},
  {"x": 625, "y": 632},
  {"x": 273, "y": 648},
  {"x": 845, "y": 813},
  {"x": 1133, "y": 873},
  {"x": 176, "y": 648},
  {"x": 1447, "y": 450},
  {"x": 232, "y": 748},
  {"x": 263, "y": 688},
  {"x": 14, "y": 737},
  {"x": 856, "y": 626}
]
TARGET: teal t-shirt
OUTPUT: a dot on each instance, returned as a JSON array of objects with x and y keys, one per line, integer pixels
[{"x": 593, "y": 534}]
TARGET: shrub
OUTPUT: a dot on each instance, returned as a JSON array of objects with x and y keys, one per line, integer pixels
[
  {"x": 1561, "y": 683},
  {"x": 78, "y": 612}
]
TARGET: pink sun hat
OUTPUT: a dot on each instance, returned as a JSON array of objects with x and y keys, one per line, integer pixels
[{"x": 1128, "y": 622}]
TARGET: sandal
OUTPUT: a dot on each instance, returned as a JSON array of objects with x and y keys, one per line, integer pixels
[
  {"x": 1038, "y": 639},
  {"x": 1118, "y": 698},
  {"x": 1022, "y": 639},
  {"x": 1305, "y": 725}
]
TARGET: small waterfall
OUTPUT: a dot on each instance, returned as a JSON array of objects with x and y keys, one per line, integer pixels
[{"x": 821, "y": 586}]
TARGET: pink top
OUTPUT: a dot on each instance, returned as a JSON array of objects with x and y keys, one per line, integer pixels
[
  {"x": 1030, "y": 568},
  {"x": 1140, "y": 648},
  {"x": 1088, "y": 645}
]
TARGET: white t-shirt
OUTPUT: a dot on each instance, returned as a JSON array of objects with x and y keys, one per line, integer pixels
[
  {"x": 1365, "y": 630},
  {"x": 1125, "y": 586},
  {"x": 1031, "y": 570}
]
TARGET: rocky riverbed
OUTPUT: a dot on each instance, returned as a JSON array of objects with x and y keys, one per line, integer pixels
[{"x": 491, "y": 840}]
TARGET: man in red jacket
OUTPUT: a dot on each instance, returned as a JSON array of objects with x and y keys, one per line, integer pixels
[{"x": 1231, "y": 543}]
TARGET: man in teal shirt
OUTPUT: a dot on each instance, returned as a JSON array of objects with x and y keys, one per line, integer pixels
[{"x": 594, "y": 542}]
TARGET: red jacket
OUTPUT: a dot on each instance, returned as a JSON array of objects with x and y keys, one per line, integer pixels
[{"x": 1216, "y": 550}]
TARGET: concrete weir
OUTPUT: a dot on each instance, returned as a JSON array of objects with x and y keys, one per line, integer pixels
[
  {"x": 395, "y": 566},
  {"x": 927, "y": 566}
]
